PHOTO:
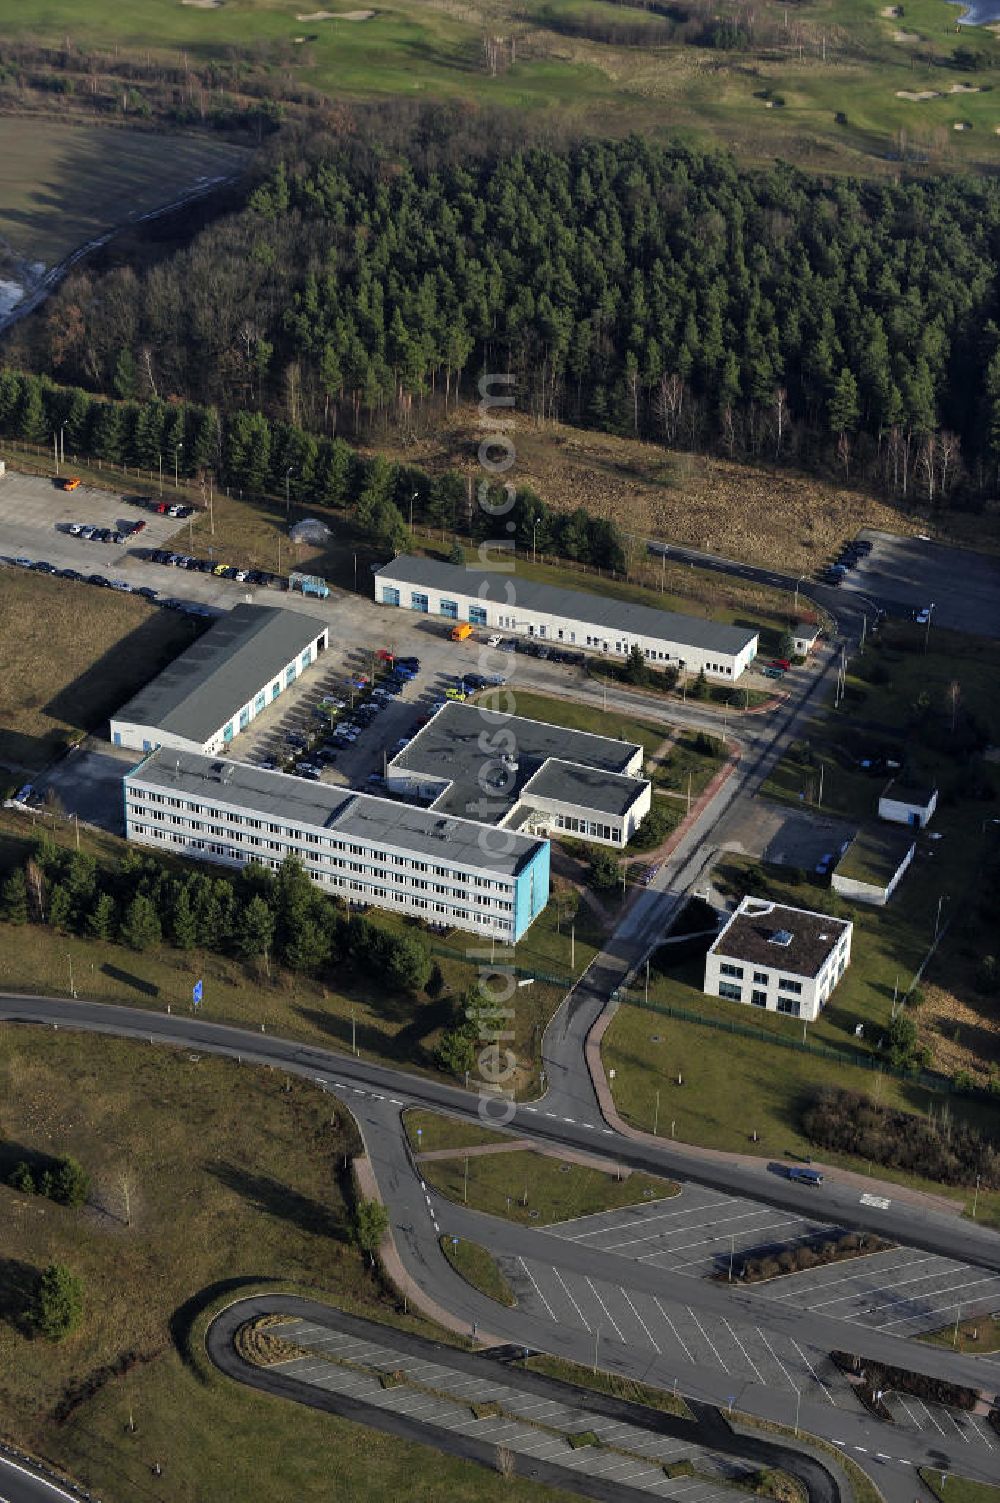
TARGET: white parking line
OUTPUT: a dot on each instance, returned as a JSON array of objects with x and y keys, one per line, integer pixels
[
  {"x": 572, "y": 1301},
  {"x": 812, "y": 1370},
  {"x": 604, "y": 1307},
  {"x": 541, "y": 1296},
  {"x": 938, "y": 1428},
  {"x": 707, "y": 1337},
  {"x": 742, "y": 1348},
  {"x": 677, "y": 1335},
  {"x": 784, "y": 1369},
  {"x": 628, "y": 1301}
]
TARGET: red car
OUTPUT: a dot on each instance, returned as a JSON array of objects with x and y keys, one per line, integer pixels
[
  {"x": 137, "y": 526},
  {"x": 385, "y": 656},
  {"x": 781, "y": 663},
  {"x": 162, "y": 507}
]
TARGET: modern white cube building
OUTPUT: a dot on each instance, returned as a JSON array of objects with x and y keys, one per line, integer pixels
[
  {"x": 369, "y": 851},
  {"x": 779, "y": 958},
  {"x": 499, "y": 599},
  {"x": 524, "y": 774},
  {"x": 249, "y": 657}
]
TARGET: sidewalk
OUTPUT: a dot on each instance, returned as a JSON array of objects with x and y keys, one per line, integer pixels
[{"x": 923, "y": 1200}]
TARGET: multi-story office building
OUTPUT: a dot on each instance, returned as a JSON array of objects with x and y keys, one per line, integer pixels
[
  {"x": 780, "y": 958},
  {"x": 369, "y": 851}
]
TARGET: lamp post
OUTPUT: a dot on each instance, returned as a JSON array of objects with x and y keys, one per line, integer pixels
[
  {"x": 975, "y": 1199},
  {"x": 927, "y": 627},
  {"x": 177, "y": 457},
  {"x": 69, "y": 962},
  {"x": 159, "y": 460},
  {"x": 413, "y": 497},
  {"x": 799, "y": 581},
  {"x": 287, "y": 499},
  {"x": 944, "y": 898},
  {"x": 534, "y": 528}
]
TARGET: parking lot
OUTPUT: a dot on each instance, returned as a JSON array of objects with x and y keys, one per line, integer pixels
[
  {"x": 35, "y": 515},
  {"x": 907, "y": 574}
]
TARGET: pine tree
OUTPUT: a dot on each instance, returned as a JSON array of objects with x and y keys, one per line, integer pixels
[
  {"x": 14, "y": 898},
  {"x": 56, "y": 1306},
  {"x": 102, "y": 917},
  {"x": 140, "y": 928}
]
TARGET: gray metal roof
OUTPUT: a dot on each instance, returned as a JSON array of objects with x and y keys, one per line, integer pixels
[
  {"x": 296, "y": 802},
  {"x": 604, "y": 611},
  {"x": 450, "y": 749},
  {"x": 587, "y": 788},
  {"x": 198, "y": 693}
]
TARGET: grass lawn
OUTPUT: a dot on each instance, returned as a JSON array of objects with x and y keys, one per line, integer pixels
[
  {"x": 73, "y": 655},
  {"x": 978, "y": 1336},
  {"x": 538, "y": 1190},
  {"x": 610, "y": 1383},
  {"x": 952, "y": 1489},
  {"x": 732, "y": 1087},
  {"x": 61, "y": 184},
  {"x": 479, "y": 1268},
  {"x": 429, "y": 1131},
  {"x": 231, "y": 1180}
]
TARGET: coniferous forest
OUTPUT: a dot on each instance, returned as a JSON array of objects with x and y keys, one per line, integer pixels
[{"x": 847, "y": 327}]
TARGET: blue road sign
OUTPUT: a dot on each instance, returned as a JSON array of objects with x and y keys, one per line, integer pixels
[{"x": 196, "y": 993}]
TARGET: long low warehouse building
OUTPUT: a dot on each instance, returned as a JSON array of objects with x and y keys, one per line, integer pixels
[
  {"x": 214, "y": 689},
  {"x": 524, "y": 774},
  {"x": 502, "y": 601},
  {"x": 369, "y": 851}
]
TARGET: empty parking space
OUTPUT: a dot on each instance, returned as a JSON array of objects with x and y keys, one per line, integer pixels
[
  {"x": 907, "y": 574},
  {"x": 435, "y": 1394},
  {"x": 902, "y": 1291},
  {"x": 696, "y": 1233},
  {"x": 36, "y": 513},
  {"x": 667, "y": 1328}
]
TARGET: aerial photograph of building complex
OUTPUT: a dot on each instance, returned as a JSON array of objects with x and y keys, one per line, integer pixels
[{"x": 500, "y": 751}]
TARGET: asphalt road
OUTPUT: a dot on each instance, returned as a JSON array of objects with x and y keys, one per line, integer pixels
[
  {"x": 709, "y": 1429},
  {"x": 22, "y": 1482}
]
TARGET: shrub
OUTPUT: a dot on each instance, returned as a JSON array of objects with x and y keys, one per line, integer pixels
[{"x": 56, "y": 1306}]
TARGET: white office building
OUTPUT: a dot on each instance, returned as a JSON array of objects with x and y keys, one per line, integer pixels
[
  {"x": 204, "y": 698},
  {"x": 500, "y": 600},
  {"x": 524, "y": 774},
  {"x": 369, "y": 851},
  {"x": 778, "y": 958}
]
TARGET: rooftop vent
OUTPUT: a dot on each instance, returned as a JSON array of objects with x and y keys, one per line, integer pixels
[{"x": 781, "y": 937}]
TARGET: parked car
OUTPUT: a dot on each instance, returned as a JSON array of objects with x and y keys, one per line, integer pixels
[
  {"x": 146, "y": 593},
  {"x": 70, "y": 574},
  {"x": 71, "y": 483},
  {"x": 782, "y": 663},
  {"x": 773, "y": 673},
  {"x": 44, "y": 568},
  {"x": 494, "y": 641},
  {"x": 97, "y": 579}
]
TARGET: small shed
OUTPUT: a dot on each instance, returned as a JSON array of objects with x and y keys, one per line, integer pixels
[
  {"x": 910, "y": 804},
  {"x": 804, "y": 638},
  {"x": 873, "y": 865}
]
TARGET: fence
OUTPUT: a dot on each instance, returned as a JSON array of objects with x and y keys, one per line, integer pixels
[{"x": 874, "y": 1062}]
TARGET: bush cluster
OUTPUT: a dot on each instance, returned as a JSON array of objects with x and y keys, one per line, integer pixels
[{"x": 936, "y": 1147}]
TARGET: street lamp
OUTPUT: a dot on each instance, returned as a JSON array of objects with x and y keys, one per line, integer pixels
[
  {"x": 177, "y": 455},
  {"x": 412, "y": 499},
  {"x": 797, "y": 583},
  {"x": 534, "y": 527},
  {"x": 287, "y": 501},
  {"x": 944, "y": 898},
  {"x": 159, "y": 460},
  {"x": 927, "y": 628}
]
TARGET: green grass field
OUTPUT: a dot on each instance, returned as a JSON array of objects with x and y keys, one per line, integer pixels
[
  {"x": 951, "y": 1489},
  {"x": 779, "y": 95},
  {"x": 538, "y": 1190},
  {"x": 206, "y": 1177},
  {"x": 479, "y": 1268},
  {"x": 62, "y": 185},
  {"x": 73, "y": 655}
]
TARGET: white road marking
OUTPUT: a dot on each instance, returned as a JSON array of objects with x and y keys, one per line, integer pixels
[
  {"x": 541, "y": 1296},
  {"x": 628, "y": 1301},
  {"x": 784, "y": 1369},
  {"x": 707, "y": 1337},
  {"x": 604, "y": 1307},
  {"x": 742, "y": 1348},
  {"x": 815, "y": 1374},
  {"x": 572, "y": 1301},
  {"x": 677, "y": 1335}
]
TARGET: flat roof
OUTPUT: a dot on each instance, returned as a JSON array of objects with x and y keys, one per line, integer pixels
[
  {"x": 795, "y": 940},
  {"x": 296, "y": 801},
  {"x": 617, "y": 615},
  {"x": 216, "y": 676},
  {"x": 461, "y": 744},
  {"x": 917, "y": 794},
  {"x": 875, "y": 855},
  {"x": 586, "y": 787}
]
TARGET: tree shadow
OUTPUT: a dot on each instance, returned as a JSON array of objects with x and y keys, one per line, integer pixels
[
  {"x": 409, "y": 1044},
  {"x": 281, "y": 1201},
  {"x": 17, "y": 1286}
]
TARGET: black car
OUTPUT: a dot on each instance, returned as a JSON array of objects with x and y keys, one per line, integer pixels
[
  {"x": 147, "y": 593},
  {"x": 70, "y": 574},
  {"x": 171, "y": 603},
  {"x": 97, "y": 579},
  {"x": 413, "y": 664},
  {"x": 43, "y": 568}
]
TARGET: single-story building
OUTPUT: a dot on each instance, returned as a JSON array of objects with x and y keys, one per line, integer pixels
[
  {"x": 804, "y": 638},
  {"x": 213, "y": 690},
  {"x": 907, "y": 804},
  {"x": 872, "y": 867},
  {"x": 501, "y": 600},
  {"x": 524, "y": 774},
  {"x": 779, "y": 958}
]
